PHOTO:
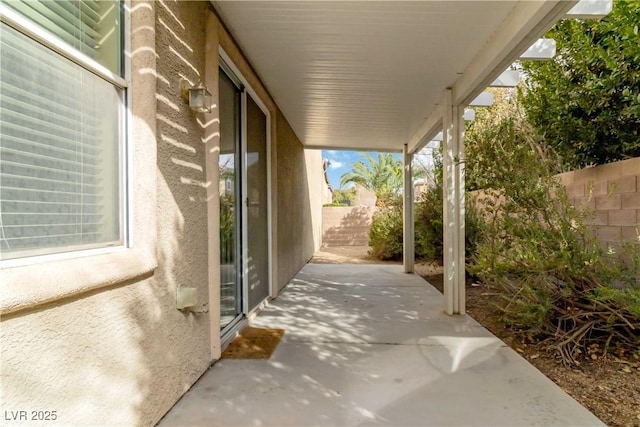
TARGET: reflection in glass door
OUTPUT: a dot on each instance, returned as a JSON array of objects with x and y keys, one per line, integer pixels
[
  {"x": 230, "y": 212},
  {"x": 257, "y": 256}
]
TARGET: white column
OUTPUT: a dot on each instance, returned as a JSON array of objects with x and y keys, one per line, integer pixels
[
  {"x": 460, "y": 196},
  {"x": 453, "y": 206},
  {"x": 408, "y": 223}
]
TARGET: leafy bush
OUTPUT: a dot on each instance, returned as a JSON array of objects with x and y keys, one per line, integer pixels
[
  {"x": 385, "y": 235},
  {"x": 556, "y": 281},
  {"x": 334, "y": 204},
  {"x": 527, "y": 240},
  {"x": 429, "y": 225},
  {"x": 344, "y": 196},
  {"x": 585, "y": 100},
  {"x": 227, "y": 228},
  {"x": 429, "y": 221}
]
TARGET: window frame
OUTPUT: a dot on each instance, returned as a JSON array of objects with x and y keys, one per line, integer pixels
[
  {"x": 66, "y": 281},
  {"x": 122, "y": 84}
]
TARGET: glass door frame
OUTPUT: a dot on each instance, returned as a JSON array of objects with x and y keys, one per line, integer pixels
[
  {"x": 238, "y": 207},
  {"x": 229, "y": 68}
]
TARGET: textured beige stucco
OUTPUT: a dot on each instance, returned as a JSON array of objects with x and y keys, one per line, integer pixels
[
  {"x": 211, "y": 145},
  {"x": 317, "y": 183},
  {"x": 123, "y": 354},
  {"x": 98, "y": 339},
  {"x": 299, "y": 185},
  {"x": 346, "y": 225}
]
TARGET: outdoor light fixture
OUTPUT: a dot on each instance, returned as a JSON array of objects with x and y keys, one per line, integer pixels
[{"x": 198, "y": 97}]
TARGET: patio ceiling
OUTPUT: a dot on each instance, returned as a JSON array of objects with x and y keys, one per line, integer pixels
[{"x": 370, "y": 75}]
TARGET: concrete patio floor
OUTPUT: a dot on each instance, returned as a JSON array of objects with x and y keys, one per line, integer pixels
[{"x": 369, "y": 345}]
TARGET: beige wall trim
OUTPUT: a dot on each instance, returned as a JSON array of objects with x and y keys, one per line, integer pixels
[
  {"x": 36, "y": 309},
  {"x": 212, "y": 156},
  {"x": 27, "y": 287},
  {"x": 273, "y": 292}
]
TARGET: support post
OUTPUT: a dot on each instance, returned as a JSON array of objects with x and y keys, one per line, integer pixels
[
  {"x": 453, "y": 206},
  {"x": 408, "y": 223},
  {"x": 460, "y": 208}
]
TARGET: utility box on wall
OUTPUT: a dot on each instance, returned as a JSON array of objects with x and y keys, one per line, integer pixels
[{"x": 186, "y": 297}]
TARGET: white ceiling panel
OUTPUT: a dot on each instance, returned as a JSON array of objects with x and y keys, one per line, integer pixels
[{"x": 364, "y": 74}]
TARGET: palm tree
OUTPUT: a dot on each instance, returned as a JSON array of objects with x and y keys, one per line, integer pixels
[{"x": 383, "y": 176}]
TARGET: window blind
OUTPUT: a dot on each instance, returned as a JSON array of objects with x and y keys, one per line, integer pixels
[
  {"x": 92, "y": 27},
  {"x": 60, "y": 127}
]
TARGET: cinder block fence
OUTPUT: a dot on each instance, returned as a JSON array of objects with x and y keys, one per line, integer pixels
[
  {"x": 346, "y": 226},
  {"x": 612, "y": 192}
]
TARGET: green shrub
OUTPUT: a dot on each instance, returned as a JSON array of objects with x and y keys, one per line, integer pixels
[
  {"x": 429, "y": 226},
  {"x": 526, "y": 239},
  {"x": 385, "y": 235},
  {"x": 344, "y": 196},
  {"x": 558, "y": 284},
  {"x": 585, "y": 100},
  {"x": 429, "y": 223},
  {"x": 334, "y": 204}
]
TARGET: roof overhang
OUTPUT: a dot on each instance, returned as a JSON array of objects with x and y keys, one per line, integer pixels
[{"x": 370, "y": 75}]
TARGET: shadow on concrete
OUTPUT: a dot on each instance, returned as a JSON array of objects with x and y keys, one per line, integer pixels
[{"x": 369, "y": 345}]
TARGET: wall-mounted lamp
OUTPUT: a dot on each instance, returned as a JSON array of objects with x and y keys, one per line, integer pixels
[{"x": 198, "y": 97}]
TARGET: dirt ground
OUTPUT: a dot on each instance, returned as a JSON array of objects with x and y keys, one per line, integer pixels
[
  {"x": 608, "y": 386},
  {"x": 346, "y": 255}
]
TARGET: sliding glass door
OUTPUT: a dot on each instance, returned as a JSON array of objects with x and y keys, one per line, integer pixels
[
  {"x": 230, "y": 208},
  {"x": 244, "y": 200}
]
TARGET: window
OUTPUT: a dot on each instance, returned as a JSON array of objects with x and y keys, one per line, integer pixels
[{"x": 62, "y": 121}]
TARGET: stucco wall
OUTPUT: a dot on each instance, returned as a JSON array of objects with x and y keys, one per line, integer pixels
[
  {"x": 346, "y": 225},
  {"x": 98, "y": 339},
  {"x": 612, "y": 192},
  {"x": 299, "y": 186},
  {"x": 181, "y": 341},
  {"x": 119, "y": 352},
  {"x": 317, "y": 184},
  {"x": 364, "y": 197}
]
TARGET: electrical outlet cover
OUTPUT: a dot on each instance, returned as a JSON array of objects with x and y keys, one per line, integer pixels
[{"x": 186, "y": 297}]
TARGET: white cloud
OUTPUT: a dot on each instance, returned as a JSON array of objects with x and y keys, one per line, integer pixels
[
  {"x": 332, "y": 152},
  {"x": 334, "y": 164}
]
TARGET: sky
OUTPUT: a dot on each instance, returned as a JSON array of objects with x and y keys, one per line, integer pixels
[{"x": 341, "y": 162}]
